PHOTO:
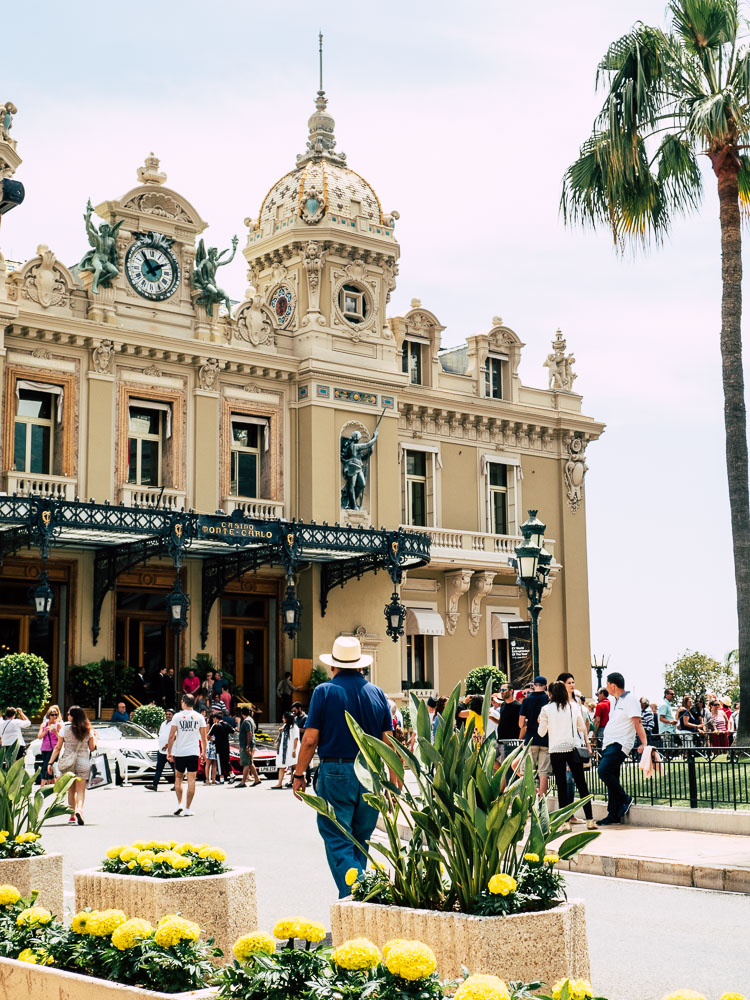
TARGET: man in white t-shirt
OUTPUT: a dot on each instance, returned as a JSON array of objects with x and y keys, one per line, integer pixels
[
  {"x": 619, "y": 738},
  {"x": 187, "y": 744},
  {"x": 11, "y": 733}
]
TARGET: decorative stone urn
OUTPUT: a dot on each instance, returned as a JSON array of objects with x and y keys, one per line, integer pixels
[
  {"x": 548, "y": 945},
  {"x": 225, "y": 906},
  {"x": 21, "y": 979},
  {"x": 43, "y": 872}
]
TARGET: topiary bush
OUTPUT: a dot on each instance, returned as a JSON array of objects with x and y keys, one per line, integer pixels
[
  {"x": 149, "y": 716},
  {"x": 85, "y": 684},
  {"x": 476, "y": 679},
  {"x": 24, "y": 682}
]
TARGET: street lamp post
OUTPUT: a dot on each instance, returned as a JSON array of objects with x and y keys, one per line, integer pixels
[
  {"x": 533, "y": 564},
  {"x": 599, "y": 666}
]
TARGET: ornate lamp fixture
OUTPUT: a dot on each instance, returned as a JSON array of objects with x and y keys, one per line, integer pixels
[
  {"x": 533, "y": 564},
  {"x": 42, "y": 597},
  {"x": 395, "y": 614},
  {"x": 291, "y": 610},
  {"x": 178, "y": 603}
]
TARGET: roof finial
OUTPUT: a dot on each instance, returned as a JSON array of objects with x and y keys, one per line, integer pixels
[
  {"x": 321, "y": 141},
  {"x": 320, "y": 56}
]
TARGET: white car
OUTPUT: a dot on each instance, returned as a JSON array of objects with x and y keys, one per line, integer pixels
[{"x": 130, "y": 749}]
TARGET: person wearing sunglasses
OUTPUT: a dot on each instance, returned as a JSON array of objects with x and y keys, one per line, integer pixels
[{"x": 49, "y": 733}]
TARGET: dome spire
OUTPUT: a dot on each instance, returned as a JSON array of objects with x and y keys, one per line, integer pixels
[{"x": 321, "y": 141}]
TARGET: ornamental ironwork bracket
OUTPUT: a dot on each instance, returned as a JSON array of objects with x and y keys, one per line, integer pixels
[
  {"x": 337, "y": 573},
  {"x": 13, "y": 540},
  {"x": 218, "y": 571},
  {"x": 110, "y": 562}
]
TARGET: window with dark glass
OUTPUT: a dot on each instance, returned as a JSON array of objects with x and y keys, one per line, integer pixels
[
  {"x": 416, "y": 487},
  {"x": 411, "y": 361},
  {"x": 145, "y": 445},
  {"x": 353, "y": 303},
  {"x": 33, "y": 433},
  {"x": 493, "y": 378},
  {"x": 245, "y": 458},
  {"x": 497, "y": 475},
  {"x": 416, "y": 662}
]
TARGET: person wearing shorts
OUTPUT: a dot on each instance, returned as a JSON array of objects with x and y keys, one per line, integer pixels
[
  {"x": 538, "y": 746},
  {"x": 187, "y": 744},
  {"x": 247, "y": 748}
]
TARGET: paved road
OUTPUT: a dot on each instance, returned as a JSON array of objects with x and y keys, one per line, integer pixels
[{"x": 645, "y": 939}]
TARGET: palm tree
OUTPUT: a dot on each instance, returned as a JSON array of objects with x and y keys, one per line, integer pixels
[{"x": 672, "y": 96}]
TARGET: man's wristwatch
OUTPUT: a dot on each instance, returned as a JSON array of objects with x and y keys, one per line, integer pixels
[{"x": 299, "y": 777}]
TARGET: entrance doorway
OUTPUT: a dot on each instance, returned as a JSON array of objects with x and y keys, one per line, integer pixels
[
  {"x": 142, "y": 634},
  {"x": 245, "y": 651}
]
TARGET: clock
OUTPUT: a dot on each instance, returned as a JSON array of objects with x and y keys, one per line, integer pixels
[{"x": 151, "y": 267}]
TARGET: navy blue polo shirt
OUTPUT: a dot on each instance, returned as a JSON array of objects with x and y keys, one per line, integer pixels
[{"x": 348, "y": 692}]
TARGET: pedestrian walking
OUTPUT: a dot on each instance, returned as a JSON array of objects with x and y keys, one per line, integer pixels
[
  {"x": 619, "y": 738},
  {"x": 601, "y": 713},
  {"x": 49, "y": 733},
  {"x": 11, "y": 728},
  {"x": 287, "y": 748},
  {"x": 247, "y": 747},
  {"x": 74, "y": 751},
  {"x": 187, "y": 744},
  {"x": 219, "y": 734},
  {"x": 161, "y": 753},
  {"x": 327, "y": 730},
  {"x": 538, "y": 744},
  {"x": 561, "y": 721}
]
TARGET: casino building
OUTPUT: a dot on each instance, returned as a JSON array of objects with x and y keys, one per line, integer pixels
[{"x": 164, "y": 462}]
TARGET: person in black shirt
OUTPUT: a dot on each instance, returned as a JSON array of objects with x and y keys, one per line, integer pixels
[
  {"x": 531, "y": 706},
  {"x": 510, "y": 710},
  {"x": 219, "y": 732}
]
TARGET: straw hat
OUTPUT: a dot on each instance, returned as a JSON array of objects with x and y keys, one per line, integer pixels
[
  {"x": 346, "y": 654},
  {"x": 726, "y": 701}
]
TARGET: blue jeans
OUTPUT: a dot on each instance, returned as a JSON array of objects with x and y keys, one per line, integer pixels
[
  {"x": 338, "y": 785},
  {"x": 610, "y": 763}
]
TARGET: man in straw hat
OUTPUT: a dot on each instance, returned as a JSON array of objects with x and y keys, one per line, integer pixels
[{"x": 327, "y": 730}]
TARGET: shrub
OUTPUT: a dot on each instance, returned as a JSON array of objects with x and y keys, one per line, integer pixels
[
  {"x": 476, "y": 679},
  {"x": 318, "y": 675},
  {"x": 157, "y": 859},
  {"x": 118, "y": 679},
  {"x": 149, "y": 716},
  {"x": 24, "y": 682},
  {"x": 24, "y": 808},
  {"x": 85, "y": 684}
]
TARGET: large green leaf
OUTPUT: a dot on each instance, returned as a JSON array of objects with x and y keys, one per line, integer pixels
[{"x": 576, "y": 843}]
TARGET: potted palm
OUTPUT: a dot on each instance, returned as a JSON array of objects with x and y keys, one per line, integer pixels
[
  {"x": 475, "y": 876},
  {"x": 24, "y": 809}
]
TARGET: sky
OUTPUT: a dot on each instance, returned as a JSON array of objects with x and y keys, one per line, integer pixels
[{"x": 464, "y": 119}]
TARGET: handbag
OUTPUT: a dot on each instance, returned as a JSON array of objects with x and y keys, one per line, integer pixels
[
  {"x": 68, "y": 758},
  {"x": 583, "y": 752}
]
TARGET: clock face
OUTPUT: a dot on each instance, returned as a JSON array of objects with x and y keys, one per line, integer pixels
[
  {"x": 152, "y": 269},
  {"x": 282, "y": 303}
]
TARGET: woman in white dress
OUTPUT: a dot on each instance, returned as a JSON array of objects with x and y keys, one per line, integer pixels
[{"x": 287, "y": 747}]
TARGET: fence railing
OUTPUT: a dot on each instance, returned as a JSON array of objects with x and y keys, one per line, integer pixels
[{"x": 698, "y": 777}]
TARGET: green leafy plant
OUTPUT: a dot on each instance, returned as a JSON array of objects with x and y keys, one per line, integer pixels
[
  {"x": 200, "y": 663},
  {"x": 158, "y": 860},
  {"x": 148, "y": 716},
  {"x": 24, "y": 681},
  {"x": 466, "y": 820},
  {"x": 318, "y": 675},
  {"x": 288, "y": 974},
  {"x": 478, "y": 678},
  {"x": 25, "y": 808},
  {"x": 118, "y": 679},
  {"x": 85, "y": 684},
  {"x": 696, "y": 673}
]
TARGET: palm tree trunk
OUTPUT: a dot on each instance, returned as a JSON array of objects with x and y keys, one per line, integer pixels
[{"x": 725, "y": 164}]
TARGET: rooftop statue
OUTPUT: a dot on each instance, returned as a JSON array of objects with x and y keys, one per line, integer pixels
[
  {"x": 101, "y": 261},
  {"x": 207, "y": 263},
  {"x": 561, "y": 374}
]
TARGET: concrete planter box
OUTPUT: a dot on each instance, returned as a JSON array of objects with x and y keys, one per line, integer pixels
[
  {"x": 225, "y": 905},
  {"x": 44, "y": 872},
  {"x": 20, "y": 979},
  {"x": 548, "y": 945}
]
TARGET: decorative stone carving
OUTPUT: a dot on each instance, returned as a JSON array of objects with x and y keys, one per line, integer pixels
[
  {"x": 162, "y": 205},
  {"x": 575, "y": 472},
  {"x": 481, "y": 585},
  {"x": 561, "y": 374},
  {"x": 253, "y": 322},
  {"x": 42, "y": 353},
  {"x": 149, "y": 173},
  {"x": 390, "y": 271},
  {"x": 44, "y": 284},
  {"x": 252, "y": 387},
  {"x": 153, "y": 371},
  {"x": 456, "y": 584},
  {"x": 312, "y": 261},
  {"x": 102, "y": 356},
  {"x": 208, "y": 374}
]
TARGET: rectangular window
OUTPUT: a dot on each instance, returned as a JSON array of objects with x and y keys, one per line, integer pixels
[
  {"x": 493, "y": 378},
  {"x": 500, "y": 655},
  {"x": 497, "y": 478},
  {"x": 246, "y": 458},
  {"x": 33, "y": 432},
  {"x": 416, "y": 662},
  {"x": 146, "y": 425},
  {"x": 411, "y": 361},
  {"x": 416, "y": 487}
]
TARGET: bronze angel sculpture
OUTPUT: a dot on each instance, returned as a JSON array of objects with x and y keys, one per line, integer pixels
[
  {"x": 101, "y": 260},
  {"x": 207, "y": 262}
]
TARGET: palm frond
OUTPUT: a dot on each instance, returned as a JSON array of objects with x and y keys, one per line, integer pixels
[
  {"x": 743, "y": 178},
  {"x": 637, "y": 71},
  {"x": 678, "y": 174},
  {"x": 704, "y": 25},
  {"x": 715, "y": 117}
]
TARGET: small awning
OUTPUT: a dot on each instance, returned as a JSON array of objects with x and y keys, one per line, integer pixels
[
  {"x": 422, "y": 621},
  {"x": 499, "y": 624}
]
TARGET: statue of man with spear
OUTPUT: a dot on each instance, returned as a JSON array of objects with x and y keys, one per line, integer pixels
[{"x": 355, "y": 454}]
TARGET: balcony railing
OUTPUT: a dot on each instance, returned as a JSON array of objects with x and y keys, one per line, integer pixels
[
  {"x": 56, "y": 487},
  {"x": 263, "y": 510},
  {"x": 152, "y": 496},
  {"x": 473, "y": 547}
]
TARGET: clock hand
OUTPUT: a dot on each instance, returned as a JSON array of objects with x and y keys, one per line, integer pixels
[{"x": 152, "y": 267}]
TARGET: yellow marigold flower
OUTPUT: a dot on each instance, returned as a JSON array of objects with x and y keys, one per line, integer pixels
[
  {"x": 144, "y": 856},
  {"x": 578, "y": 989},
  {"x": 34, "y": 916},
  {"x": 410, "y": 960},
  {"x": 128, "y": 854},
  {"x": 502, "y": 885},
  {"x": 27, "y": 955},
  {"x": 9, "y": 895},
  {"x": 531, "y": 857},
  {"x": 127, "y": 935},
  {"x": 179, "y": 863},
  {"x": 37, "y": 956},
  {"x": 108, "y": 922},
  {"x": 684, "y": 995},
  {"x": 172, "y": 844},
  {"x": 253, "y": 944},
  {"x": 311, "y": 931},
  {"x": 81, "y": 921},
  {"x": 114, "y": 852},
  {"x": 286, "y": 929},
  {"x": 212, "y": 852},
  {"x": 356, "y": 955},
  {"x": 172, "y": 929},
  {"x": 351, "y": 876},
  {"x": 732, "y": 996},
  {"x": 390, "y": 944},
  {"x": 182, "y": 848},
  {"x": 132, "y": 865},
  {"x": 147, "y": 864},
  {"x": 482, "y": 987},
  {"x": 3, "y": 836},
  {"x": 551, "y": 859},
  {"x": 139, "y": 845}
]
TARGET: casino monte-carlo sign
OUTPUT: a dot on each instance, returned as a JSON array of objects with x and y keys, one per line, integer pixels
[{"x": 239, "y": 532}]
